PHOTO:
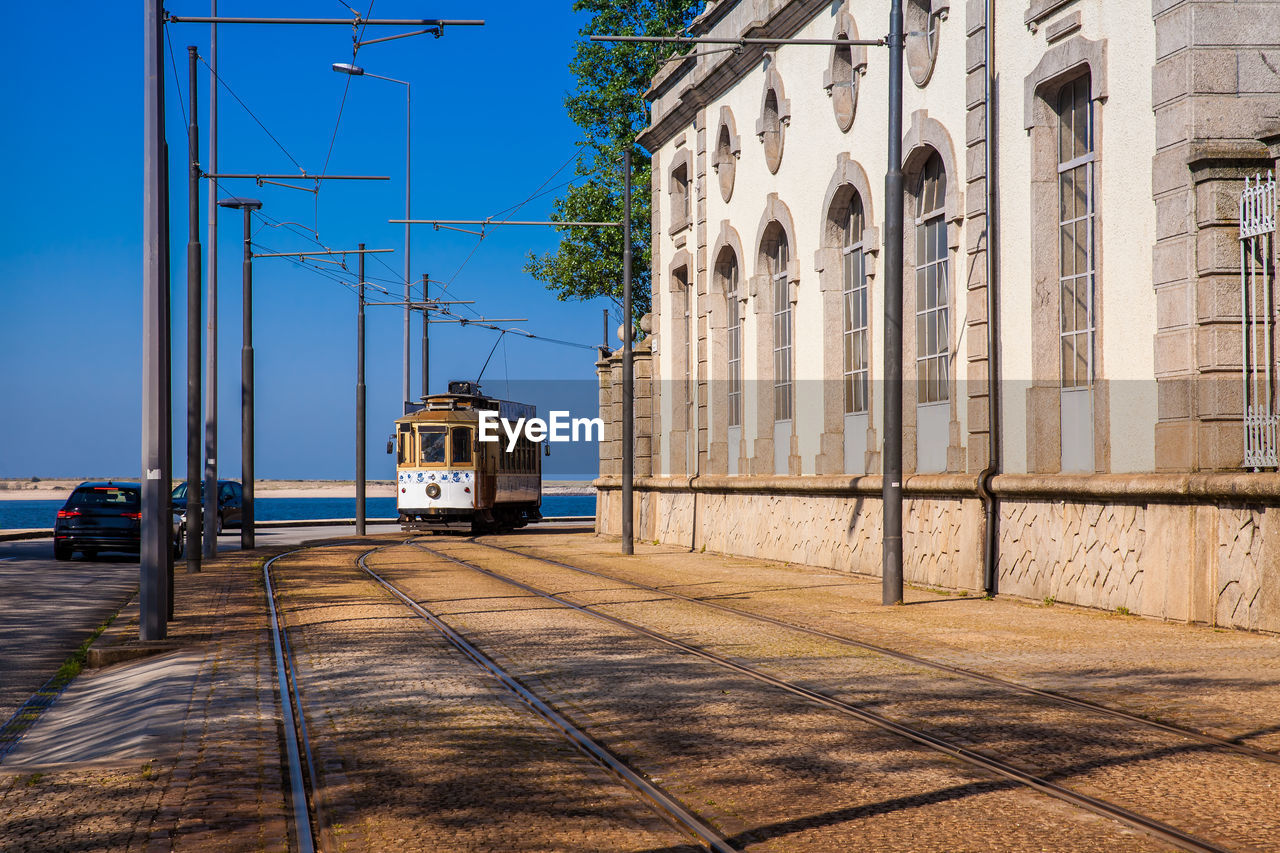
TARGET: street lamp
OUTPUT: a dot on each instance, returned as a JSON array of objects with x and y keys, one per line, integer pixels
[
  {"x": 248, "y": 205},
  {"x": 357, "y": 71}
]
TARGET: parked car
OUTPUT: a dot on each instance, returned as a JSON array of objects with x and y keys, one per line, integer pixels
[
  {"x": 230, "y": 503},
  {"x": 104, "y": 516}
]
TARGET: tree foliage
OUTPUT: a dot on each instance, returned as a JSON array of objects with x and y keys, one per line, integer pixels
[{"x": 608, "y": 105}]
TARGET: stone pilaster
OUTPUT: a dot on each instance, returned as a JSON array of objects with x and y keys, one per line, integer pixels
[
  {"x": 975, "y": 248},
  {"x": 1211, "y": 92}
]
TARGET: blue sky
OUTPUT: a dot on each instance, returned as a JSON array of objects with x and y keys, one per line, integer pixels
[{"x": 489, "y": 129}]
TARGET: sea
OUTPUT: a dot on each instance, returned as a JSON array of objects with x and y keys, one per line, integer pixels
[{"x": 25, "y": 515}]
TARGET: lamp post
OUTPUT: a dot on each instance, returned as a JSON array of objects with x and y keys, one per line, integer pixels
[
  {"x": 357, "y": 71},
  {"x": 247, "y": 205}
]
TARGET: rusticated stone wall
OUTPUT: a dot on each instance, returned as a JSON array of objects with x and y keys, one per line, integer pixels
[
  {"x": 1168, "y": 556},
  {"x": 942, "y": 534}
]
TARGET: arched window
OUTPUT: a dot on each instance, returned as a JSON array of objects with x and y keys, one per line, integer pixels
[
  {"x": 727, "y": 271},
  {"x": 933, "y": 321},
  {"x": 1075, "y": 232},
  {"x": 778, "y": 253},
  {"x": 856, "y": 362}
]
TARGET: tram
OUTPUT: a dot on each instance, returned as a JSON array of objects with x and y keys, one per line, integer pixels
[{"x": 447, "y": 479}]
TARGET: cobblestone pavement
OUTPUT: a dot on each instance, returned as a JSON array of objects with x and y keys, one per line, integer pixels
[
  {"x": 1224, "y": 683},
  {"x": 419, "y": 750},
  {"x": 47, "y": 609},
  {"x": 215, "y": 787},
  {"x": 771, "y": 771}
]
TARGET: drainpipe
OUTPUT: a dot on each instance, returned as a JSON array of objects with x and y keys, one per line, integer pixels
[{"x": 990, "y": 572}]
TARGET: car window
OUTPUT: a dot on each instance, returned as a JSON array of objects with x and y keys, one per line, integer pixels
[
  {"x": 105, "y": 496},
  {"x": 227, "y": 492},
  {"x": 180, "y": 493}
]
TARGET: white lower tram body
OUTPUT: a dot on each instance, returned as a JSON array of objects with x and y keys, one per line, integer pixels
[{"x": 435, "y": 489}]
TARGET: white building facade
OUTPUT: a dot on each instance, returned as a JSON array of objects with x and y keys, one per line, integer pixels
[{"x": 1122, "y": 134}]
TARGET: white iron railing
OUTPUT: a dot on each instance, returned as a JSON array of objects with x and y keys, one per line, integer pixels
[{"x": 1257, "y": 319}]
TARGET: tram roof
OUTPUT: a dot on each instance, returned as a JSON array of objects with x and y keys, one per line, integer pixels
[{"x": 507, "y": 409}]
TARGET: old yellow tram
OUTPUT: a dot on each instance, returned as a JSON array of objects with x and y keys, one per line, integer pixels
[{"x": 448, "y": 479}]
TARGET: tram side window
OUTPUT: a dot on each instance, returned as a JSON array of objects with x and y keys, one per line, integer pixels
[
  {"x": 431, "y": 443},
  {"x": 460, "y": 446},
  {"x": 402, "y": 444}
]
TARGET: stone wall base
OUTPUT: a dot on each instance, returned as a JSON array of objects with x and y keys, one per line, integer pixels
[{"x": 1212, "y": 563}]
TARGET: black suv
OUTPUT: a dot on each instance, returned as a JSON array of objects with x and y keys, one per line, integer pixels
[
  {"x": 230, "y": 502},
  {"x": 103, "y": 516}
]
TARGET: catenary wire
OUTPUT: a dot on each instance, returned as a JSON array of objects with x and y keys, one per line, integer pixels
[{"x": 252, "y": 115}]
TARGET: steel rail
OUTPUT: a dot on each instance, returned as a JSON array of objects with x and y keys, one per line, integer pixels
[
  {"x": 1060, "y": 698},
  {"x": 1152, "y": 827},
  {"x": 666, "y": 806},
  {"x": 295, "y": 732}
]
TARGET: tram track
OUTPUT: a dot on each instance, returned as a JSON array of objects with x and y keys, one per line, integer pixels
[
  {"x": 1000, "y": 767},
  {"x": 293, "y": 720},
  {"x": 309, "y": 828},
  {"x": 995, "y": 681}
]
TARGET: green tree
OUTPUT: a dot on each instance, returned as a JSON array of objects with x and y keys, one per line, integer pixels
[{"x": 608, "y": 105}]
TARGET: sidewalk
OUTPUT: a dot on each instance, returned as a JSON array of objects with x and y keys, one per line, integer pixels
[{"x": 178, "y": 749}]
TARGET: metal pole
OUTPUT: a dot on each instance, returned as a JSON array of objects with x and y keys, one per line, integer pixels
[
  {"x": 246, "y": 392},
  {"x": 194, "y": 516},
  {"x": 155, "y": 524},
  {"x": 426, "y": 338},
  {"x": 891, "y": 582},
  {"x": 360, "y": 420},
  {"x": 628, "y": 385},
  {"x": 166, "y": 394},
  {"x": 210, "y": 491},
  {"x": 990, "y": 555},
  {"x": 408, "y": 122}
]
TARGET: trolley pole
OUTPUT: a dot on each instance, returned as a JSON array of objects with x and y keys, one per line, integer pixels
[
  {"x": 628, "y": 383},
  {"x": 210, "y": 492},
  {"x": 891, "y": 555},
  {"x": 246, "y": 389},
  {"x": 194, "y": 497},
  {"x": 360, "y": 419},
  {"x": 246, "y": 206},
  {"x": 153, "y": 594},
  {"x": 426, "y": 336}
]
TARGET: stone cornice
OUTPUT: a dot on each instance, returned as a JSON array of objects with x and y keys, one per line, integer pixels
[
  {"x": 719, "y": 77},
  {"x": 1243, "y": 487}
]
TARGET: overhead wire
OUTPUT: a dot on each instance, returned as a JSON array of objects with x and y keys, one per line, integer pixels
[
  {"x": 252, "y": 115},
  {"x": 510, "y": 211}
]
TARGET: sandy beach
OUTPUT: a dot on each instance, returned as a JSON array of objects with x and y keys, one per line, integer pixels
[{"x": 60, "y": 489}]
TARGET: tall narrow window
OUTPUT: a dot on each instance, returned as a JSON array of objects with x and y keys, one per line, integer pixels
[
  {"x": 733, "y": 343},
  {"x": 778, "y": 260},
  {"x": 680, "y": 196},
  {"x": 933, "y": 320},
  {"x": 1075, "y": 233},
  {"x": 855, "y": 312}
]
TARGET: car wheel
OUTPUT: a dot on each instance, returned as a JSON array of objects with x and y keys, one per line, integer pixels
[
  {"x": 218, "y": 524},
  {"x": 61, "y": 552}
]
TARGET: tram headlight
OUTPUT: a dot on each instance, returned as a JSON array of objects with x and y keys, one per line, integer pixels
[{"x": 433, "y": 490}]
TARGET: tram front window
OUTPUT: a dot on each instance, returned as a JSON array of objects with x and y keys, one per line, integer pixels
[{"x": 431, "y": 442}]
